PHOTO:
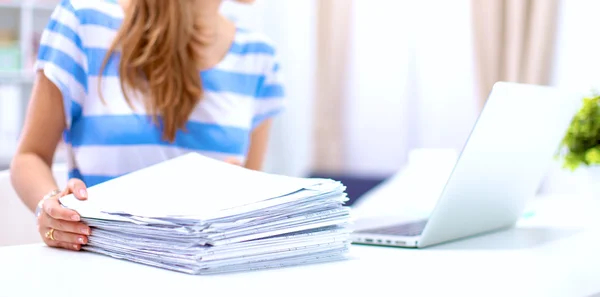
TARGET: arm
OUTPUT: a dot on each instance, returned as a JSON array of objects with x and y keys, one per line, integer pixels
[
  {"x": 259, "y": 141},
  {"x": 60, "y": 79},
  {"x": 61, "y": 70},
  {"x": 31, "y": 173}
]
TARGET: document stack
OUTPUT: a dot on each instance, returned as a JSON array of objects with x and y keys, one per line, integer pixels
[{"x": 196, "y": 215}]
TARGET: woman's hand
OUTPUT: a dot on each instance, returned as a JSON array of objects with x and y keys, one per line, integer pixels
[
  {"x": 233, "y": 161},
  {"x": 59, "y": 226}
]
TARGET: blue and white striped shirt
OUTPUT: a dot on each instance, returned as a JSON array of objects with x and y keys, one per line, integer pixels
[{"x": 108, "y": 140}]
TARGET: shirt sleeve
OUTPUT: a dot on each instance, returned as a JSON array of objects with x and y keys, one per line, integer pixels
[
  {"x": 269, "y": 100},
  {"x": 61, "y": 58}
]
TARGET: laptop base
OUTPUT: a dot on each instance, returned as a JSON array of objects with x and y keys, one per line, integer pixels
[{"x": 405, "y": 234}]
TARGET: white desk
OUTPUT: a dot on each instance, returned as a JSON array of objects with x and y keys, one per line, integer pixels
[{"x": 549, "y": 254}]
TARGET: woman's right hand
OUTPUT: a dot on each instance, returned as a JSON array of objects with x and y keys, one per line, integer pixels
[{"x": 61, "y": 227}]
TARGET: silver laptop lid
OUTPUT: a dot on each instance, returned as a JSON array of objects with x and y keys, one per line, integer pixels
[{"x": 501, "y": 166}]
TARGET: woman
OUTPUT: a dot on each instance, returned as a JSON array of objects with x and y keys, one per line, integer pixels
[{"x": 134, "y": 83}]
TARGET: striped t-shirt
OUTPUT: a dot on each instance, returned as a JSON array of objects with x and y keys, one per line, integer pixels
[{"x": 108, "y": 139}]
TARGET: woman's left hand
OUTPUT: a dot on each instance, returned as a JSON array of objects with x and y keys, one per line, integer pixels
[{"x": 233, "y": 161}]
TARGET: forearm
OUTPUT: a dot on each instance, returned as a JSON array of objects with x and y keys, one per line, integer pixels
[
  {"x": 258, "y": 146},
  {"x": 31, "y": 178}
]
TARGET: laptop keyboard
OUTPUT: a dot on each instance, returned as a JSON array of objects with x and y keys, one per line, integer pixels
[{"x": 404, "y": 229}]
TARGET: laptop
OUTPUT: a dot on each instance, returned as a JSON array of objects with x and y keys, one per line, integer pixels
[{"x": 508, "y": 152}]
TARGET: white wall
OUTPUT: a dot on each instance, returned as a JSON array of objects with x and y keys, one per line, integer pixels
[
  {"x": 291, "y": 25},
  {"x": 577, "y": 55},
  {"x": 576, "y": 67},
  {"x": 412, "y": 78},
  {"x": 411, "y": 81},
  {"x": 10, "y": 121}
]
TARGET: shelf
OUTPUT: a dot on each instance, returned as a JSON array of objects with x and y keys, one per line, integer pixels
[
  {"x": 25, "y": 19},
  {"x": 16, "y": 77},
  {"x": 36, "y": 5},
  {"x": 10, "y": 5}
]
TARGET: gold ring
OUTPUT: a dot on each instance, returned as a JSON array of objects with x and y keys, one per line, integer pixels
[{"x": 50, "y": 234}]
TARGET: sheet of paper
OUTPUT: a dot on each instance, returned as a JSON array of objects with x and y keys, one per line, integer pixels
[
  {"x": 190, "y": 185},
  {"x": 328, "y": 256}
]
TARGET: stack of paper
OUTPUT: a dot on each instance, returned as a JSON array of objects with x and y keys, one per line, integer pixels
[{"x": 197, "y": 215}]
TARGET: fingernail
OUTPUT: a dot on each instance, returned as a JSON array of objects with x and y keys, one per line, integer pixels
[
  {"x": 75, "y": 247},
  {"x": 85, "y": 231},
  {"x": 80, "y": 239},
  {"x": 82, "y": 193},
  {"x": 75, "y": 218}
]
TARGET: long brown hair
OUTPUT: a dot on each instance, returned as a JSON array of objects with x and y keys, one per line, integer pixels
[{"x": 158, "y": 61}]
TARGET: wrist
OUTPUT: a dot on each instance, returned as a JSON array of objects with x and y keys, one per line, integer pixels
[{"x": 40, "y": 205}]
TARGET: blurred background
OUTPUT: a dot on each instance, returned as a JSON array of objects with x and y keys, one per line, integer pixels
[{"x": 372, "y": 85}]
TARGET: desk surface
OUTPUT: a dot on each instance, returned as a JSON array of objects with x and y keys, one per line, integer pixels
[{"x": 554, "y": 253}]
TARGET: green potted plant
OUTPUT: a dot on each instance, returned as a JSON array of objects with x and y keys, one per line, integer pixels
[{"x": 580, "y": 147}]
